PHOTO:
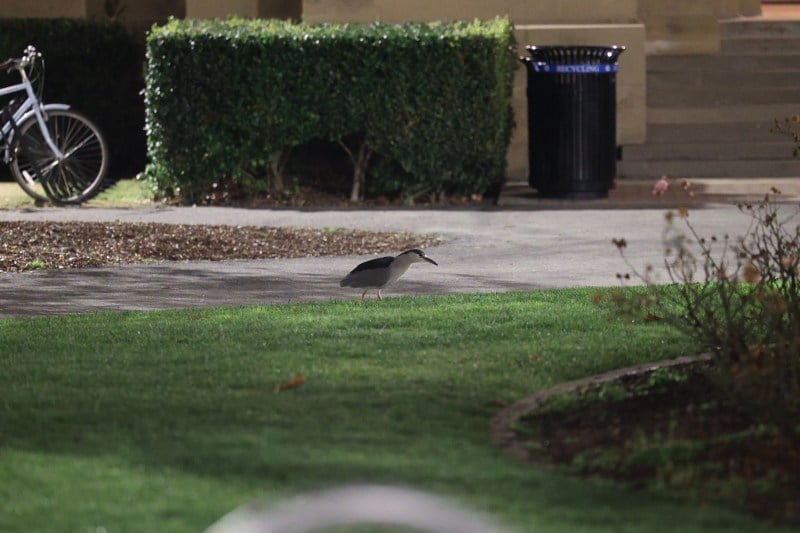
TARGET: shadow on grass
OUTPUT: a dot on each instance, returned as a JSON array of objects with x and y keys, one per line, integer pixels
[{"x": 271, "y": 446}]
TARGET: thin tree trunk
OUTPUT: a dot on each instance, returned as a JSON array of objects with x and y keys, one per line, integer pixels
[
  {"x": 278, "y": 165},
  {"x": 360, "y": 163}
]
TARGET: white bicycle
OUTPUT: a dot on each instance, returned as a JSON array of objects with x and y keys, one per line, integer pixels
[{"x": 54, "y": 152}]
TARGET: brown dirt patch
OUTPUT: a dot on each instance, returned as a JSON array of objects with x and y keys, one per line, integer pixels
[
  {"x": 668, "y": 430},
  {"x": 30, "y": 245}
]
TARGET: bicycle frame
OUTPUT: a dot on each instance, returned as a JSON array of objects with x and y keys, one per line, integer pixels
[{"x": 31, "y": 106}]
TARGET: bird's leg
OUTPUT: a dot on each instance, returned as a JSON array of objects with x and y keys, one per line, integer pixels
[
  {"x": 379, "y": 295},
  {"x": 363, "y": 294}
]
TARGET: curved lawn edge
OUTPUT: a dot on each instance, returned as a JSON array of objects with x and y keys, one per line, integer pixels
[{"x": 502, "y": 424}]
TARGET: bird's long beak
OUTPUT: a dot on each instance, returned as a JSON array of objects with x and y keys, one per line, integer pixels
[{"x": 429, "y": 260}]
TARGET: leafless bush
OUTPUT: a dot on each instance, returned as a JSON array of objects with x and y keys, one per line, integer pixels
[{"x": 740, "y": 296}]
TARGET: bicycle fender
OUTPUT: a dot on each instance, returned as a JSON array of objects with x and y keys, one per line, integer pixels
[{"x": 45, "y": 108}]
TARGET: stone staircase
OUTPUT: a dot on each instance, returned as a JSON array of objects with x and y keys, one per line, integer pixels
[{"x": 712, "y": 115}]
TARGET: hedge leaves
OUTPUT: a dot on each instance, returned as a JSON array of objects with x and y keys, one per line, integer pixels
[{"x": 433, "y": 98}]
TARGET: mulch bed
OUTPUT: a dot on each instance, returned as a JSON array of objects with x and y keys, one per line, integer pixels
[{"x": 32, "y": 245}]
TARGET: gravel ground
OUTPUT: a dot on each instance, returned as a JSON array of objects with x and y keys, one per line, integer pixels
[{"x": 33, "y": 245}]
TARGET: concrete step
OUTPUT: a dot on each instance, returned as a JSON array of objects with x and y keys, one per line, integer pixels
[
  {"x": 637, "y": 193},
  {"x": 650, "y": 9},
  {"x": 659, "y": 96},
  {"x": 759, "y": 113},
  {"x": 733, "y": 29},
  {"x": 725, "y": 63},
  {"x": 654, "y": 168},
  {"x": 720, "y": 79},
  {"x": 760, "y": 46},
  {"x": 710, "y": 151},
  {"x": 753, "y": 132}
]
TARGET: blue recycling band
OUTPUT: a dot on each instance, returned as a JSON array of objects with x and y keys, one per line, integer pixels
[{"x": 574, "y": 69}]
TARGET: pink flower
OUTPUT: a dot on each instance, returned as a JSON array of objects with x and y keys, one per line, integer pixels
[{"x": 660, "y": 186}]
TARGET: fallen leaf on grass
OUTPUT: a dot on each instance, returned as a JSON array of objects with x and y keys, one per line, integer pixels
[
  {"x": 652, "y": 318},
  {"x": 296, "y": 381},
  {"x": 500, "y": 402}
]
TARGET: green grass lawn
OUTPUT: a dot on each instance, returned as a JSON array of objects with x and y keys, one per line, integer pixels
[
  {"x": 165, "y": 421},
  {"x": 124, "y": 193}
]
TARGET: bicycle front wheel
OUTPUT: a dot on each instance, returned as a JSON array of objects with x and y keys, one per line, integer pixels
[{"x": 73, "y": 179}]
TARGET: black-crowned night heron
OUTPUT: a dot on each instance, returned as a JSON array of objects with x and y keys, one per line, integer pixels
[{"x": 383, "y": 271}]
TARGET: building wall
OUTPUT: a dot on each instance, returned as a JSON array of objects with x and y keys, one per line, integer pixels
[
  {"x": 43, "y": 8},
  {"x": 282, "y": 9},
  {"x": 519, "y": 11},
  {"x": 137, "y": 16},
  {"x": 689, "y": 26}
]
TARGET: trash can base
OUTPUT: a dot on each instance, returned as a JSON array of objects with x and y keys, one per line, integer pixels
[{"x": 574, "y": 195}]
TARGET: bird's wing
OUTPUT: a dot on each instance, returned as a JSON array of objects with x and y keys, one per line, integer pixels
[
  {"x": 372, "y": 264},
  {"x": 355, "y": 277}
]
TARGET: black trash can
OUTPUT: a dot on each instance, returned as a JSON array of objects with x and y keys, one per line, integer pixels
[{"x": 572, "y": 119}]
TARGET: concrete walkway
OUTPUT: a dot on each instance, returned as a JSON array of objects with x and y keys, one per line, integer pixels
[{"x": 524, "y": 246}]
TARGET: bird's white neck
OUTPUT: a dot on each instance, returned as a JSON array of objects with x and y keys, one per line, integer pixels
[{"x": 400, "y": 265}]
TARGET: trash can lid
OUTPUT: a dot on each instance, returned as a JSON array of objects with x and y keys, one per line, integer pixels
[{"x": 574, "y": 55}]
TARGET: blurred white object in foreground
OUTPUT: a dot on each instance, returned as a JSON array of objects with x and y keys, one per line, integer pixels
[{"x": 361, "y": 504}]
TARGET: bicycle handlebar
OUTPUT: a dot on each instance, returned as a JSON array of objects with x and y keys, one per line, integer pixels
[{"x": 28, "y": 56}]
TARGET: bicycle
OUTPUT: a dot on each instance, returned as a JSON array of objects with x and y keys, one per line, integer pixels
[{"x": 54, "y": 152}]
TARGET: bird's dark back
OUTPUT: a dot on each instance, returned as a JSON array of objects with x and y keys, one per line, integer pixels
[{"x": 372, "y": 264}]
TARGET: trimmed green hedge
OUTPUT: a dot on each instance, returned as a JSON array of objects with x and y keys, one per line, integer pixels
[
  {"x": 95, "y": 66},
  {"x": 223, "y": 96}
]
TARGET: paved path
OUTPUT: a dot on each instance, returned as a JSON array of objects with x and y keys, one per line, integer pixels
[{"x": 483, "y": 251}]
